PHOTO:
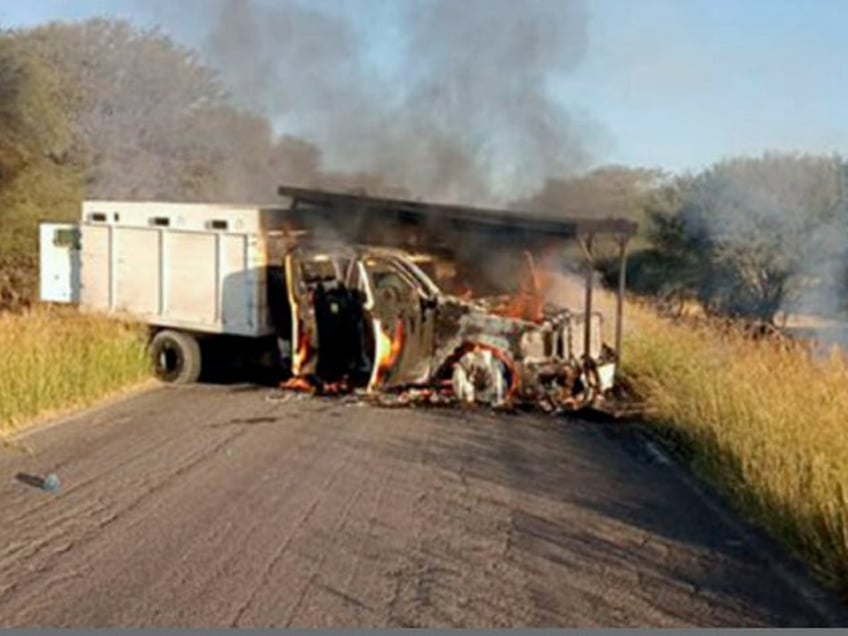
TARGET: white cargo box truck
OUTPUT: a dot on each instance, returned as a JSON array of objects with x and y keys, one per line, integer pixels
[{"x": 188, "y": 270}]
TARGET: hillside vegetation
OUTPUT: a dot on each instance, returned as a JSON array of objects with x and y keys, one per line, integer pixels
[{"x": 101, "y": 109}]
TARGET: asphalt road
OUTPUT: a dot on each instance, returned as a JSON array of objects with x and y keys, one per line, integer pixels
[{"x": 218, "y": 506}]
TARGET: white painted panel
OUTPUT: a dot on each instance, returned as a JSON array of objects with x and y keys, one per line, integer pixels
[
  {"x": 195, "y": 217},
  {"x": 95, "y": 267},
  {"x": 59, "y": 262},
  {"x": 188, "y": 266},
  {"x": 136, "y": 270},
  {"x": 190, "y": 277},
  {"x": 257, "y": 249},
  {"x": 235, "y": 284}
]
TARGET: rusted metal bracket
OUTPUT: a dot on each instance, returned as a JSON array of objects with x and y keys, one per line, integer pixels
[{"x": 622, "y": 241}]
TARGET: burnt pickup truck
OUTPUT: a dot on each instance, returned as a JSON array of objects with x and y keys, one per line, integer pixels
[{"x": 372, "y": 319}]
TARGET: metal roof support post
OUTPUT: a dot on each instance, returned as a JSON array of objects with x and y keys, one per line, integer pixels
[
  {"x": 619, "y": 297},
  {"x": 590, "y": 271}
]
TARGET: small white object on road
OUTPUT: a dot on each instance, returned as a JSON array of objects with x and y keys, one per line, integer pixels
[{"x": 51, "y": 483}]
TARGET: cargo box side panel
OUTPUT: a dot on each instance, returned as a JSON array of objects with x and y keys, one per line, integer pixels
[
  {"x": 242, "y": 283},
  {"x": 258, "y": 258},
  {"x": 190, "y": 278},
  {"x": 235, "y": 284},
  {"x": 136, "y": 271},
  {"x": 95, "y": 268}
]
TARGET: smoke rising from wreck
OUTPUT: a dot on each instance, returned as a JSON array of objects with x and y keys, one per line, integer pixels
[
  {"x": 452, "y": 104},
  {"x": 460, "y": 110}
]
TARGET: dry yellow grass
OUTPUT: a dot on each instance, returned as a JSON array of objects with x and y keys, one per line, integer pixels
[
  {"x": 764, "y": 423},
  {"x": 56, "y": 358}
]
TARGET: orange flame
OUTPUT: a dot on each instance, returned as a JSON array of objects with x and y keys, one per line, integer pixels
[
  {"x": 528, "y": 304},
  {"x": 334, "y": 388},
  {"x": 302, "y": 353},
  {"x": 297, "y": 384},
  {"x": 466, "y": 293},
  {"x": 388, "y": 350}
]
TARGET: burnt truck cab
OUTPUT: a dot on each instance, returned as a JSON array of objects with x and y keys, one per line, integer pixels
[{"x": 372, "y": 319}]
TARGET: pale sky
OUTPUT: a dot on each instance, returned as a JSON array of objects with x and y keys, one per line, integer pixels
[{"x": 676, "y": 84}]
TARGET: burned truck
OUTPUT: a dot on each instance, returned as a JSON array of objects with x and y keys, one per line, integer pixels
[
  {"x": 346, "y": 292},
  {"x": 398, "y": 317},
  {"x": 370, "y": 318}
]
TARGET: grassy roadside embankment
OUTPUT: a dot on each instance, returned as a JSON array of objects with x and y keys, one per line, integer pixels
[
  {"x": 763, "y": 423},
  {"x": 54, "y": 358}
]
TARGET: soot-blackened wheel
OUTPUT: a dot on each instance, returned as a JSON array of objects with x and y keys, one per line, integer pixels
[{"x": 175, "y": 357}]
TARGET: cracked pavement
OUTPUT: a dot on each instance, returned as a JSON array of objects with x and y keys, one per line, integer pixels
[{"x": 215, "y": 506}]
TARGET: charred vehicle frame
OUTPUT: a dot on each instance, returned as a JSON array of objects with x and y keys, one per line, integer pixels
[{"x": 353, "y": 316}]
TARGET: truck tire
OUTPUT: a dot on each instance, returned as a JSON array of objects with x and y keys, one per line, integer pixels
[{"x": 175, "y": 357}]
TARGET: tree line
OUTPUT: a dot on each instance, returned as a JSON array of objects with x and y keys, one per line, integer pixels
[{"x": 101, "y": 109}]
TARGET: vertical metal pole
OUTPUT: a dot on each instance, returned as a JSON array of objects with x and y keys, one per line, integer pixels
[
  {"x": 587, "y": 324},
  {"x": 619, "y": 298}
]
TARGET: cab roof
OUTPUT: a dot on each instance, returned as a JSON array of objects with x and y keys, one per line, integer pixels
[{"x": 334, "y": 207}]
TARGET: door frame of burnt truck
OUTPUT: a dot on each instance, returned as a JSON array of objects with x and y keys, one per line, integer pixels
[
  {"x": 387, "y": 307},
  {"x": 204, "y": 277}
]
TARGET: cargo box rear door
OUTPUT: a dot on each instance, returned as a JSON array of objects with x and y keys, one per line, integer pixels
[{"x": 59, "y": 262}]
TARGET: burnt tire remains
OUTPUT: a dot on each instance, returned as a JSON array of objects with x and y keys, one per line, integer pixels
[{"x": 175, "y": 357}]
